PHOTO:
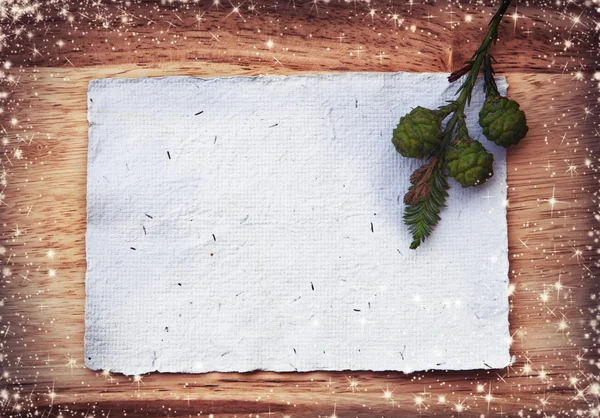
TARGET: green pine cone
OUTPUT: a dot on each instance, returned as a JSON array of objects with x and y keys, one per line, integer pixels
[
  {"x": 469, "y": 163},
  {"x": 418, "y": 134},
  {"x": 502, "y": 121}
]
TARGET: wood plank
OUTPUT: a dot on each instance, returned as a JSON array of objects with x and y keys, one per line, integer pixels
[
  {"x": 311, "y": 36},
  {"x": 44, "y": 302}
]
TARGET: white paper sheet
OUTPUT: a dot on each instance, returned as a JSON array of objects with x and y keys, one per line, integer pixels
[{"x": 238, "y": 224}]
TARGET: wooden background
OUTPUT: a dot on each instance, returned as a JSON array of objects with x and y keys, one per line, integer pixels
[{"x": 551, "y": 199}]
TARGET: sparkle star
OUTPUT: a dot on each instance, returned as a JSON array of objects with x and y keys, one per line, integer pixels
[
  {"x": 388, "y": 395},
  {"x": 372, "y": 13},
  {"x": 543, "y": 375},
  {"x": 138, "y": 379},
  {"x": 72, "y": 363},
  {"x": 552, "y": 201},
  {"x": 459, "y": 406},
  {"x": 562, "y": 324},
  {"x": 544, "y": 401},
  {"x": 489, "y": 398},
  {"x": 200, "y": 18},
  {"x": 419, "y": 401},
  {"x": 352, "y": 384},
  {"x": 234, "y": 10},
  {"x": 395, "y": 17},
  {"x": 527, "y": 369},
  {"x": 577, "y": 254},
  {"x": 571, "y": 168},
  {"x": 558, "y": 286}
]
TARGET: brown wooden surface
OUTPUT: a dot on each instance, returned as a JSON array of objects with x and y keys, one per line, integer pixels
[{"x": 43, "y": 211}]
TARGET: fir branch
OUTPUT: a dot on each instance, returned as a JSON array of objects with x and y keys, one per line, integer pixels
[
  {"x": 490, "y": 87},
  {"x": 474, "y": 64},
  {"x": 427, "y": 194},
  {"x": 422, "y": 213}
]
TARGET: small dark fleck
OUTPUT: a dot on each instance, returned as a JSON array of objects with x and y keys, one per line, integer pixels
[
  {"x": 369, "y": 305},
  {"x": 166, "y": 329},
  {"x": 272, "y": 126},
  {"x": 356, "y": 104},
  {"x": 372, "y": 227},
  {"x": 133, "y": 248},
  {"x": 169, "y": 155},
  {"x": 488, "y": 366},
  {"x": 357, "y": 310},
  {"x": 179, "y": 284},
  {"x": 294, "y": 350},
  {"x": 148, "y": 216},
  {"x": 91, "y": 100},
  {"x": 215, "y": 139},
  {"x": 144, "y": 228},
  {"x": 127, "y": 166},
  {"x": 312, "y": 286},
  {"x": 199, "y": 113},
  {"x": 214, "y": 238},
  {"x": 211, "y": 254},
  {"x": 225, "y": 353}
]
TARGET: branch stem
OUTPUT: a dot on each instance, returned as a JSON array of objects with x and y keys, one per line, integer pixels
[{"x": 479, "y": 58}]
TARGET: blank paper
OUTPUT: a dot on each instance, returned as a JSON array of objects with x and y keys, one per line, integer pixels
[{"x": 255, "y": 223}]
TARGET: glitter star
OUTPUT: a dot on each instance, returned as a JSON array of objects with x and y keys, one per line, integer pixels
[
  {"x": 395, "y": 17},
  {"x": 200, "y": 18},
  {"x": 234, "y": 10},
  {"x": 138, "y": 379},
  {"x": 72, "y": 363},
  {"x": 353, "y": 384},
  {"x": 388, "y": 395},
  {"x": 577, "y": 254},
  {"x": 489, "y": 398},
  {"x": 552, "y": 201},
  {"x": 372, "y": 13},
  {"x": 571, "y": 168}
]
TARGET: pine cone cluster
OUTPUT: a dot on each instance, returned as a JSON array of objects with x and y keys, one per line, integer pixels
[
  {"x": 419, "y": 134},
  {"x": 469, "y": 163},
  {"x": 502, "y": 121},
  {"x": 449, "y": 150}
]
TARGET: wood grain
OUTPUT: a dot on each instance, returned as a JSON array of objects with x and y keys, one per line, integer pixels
[
  {"x": 321, "y": 35},
  {"x": 43, "y": 219},
  {"x": 53, "y": 183}
]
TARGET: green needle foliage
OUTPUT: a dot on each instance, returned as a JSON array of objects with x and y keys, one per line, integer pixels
[
  {"x": 421, "y": 215},
  {"x": 419, "y": 134}
]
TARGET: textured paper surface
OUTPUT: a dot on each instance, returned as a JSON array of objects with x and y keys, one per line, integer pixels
[{"x": 237, "y": 224}]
